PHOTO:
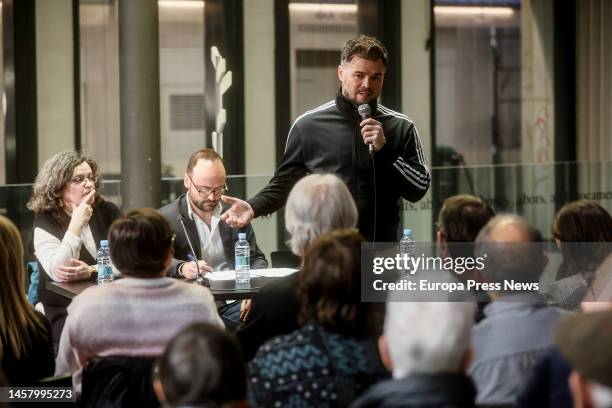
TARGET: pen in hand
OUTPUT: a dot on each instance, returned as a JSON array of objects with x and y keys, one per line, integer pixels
[
  {"x": 201, "y": 268},
  {"x": 198, "y": 273},
  {"x": 191, "y": 258}
]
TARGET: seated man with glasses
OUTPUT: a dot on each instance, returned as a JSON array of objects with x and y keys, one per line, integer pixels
[{"x": 200, "y": 233}]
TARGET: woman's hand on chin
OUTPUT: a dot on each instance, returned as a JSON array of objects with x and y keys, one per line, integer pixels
[{"x": 81, "y": 214}]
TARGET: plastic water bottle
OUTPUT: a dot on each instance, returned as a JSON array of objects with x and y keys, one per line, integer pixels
[
  {"x": 105, "y": 270},
  {"x": 407, "y": 247},
  {"x": 243, "y": 261}
]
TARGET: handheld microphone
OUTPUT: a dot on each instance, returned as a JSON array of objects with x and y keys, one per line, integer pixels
[
  {"x": 199, "y": 278},
  {"x": 365, "y": 112}
]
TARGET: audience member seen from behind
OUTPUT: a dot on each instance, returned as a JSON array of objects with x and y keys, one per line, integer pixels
[
  {"x": 583, "y": 232},
  {"x": 460, "y": 220},
  {"x": 139, "y": 314},
  {"x": 26, "y": 350},
  {"x": 201, "y": 367},
  {"x": 548, "y": 384},
  {"x": 584, "y": 340},
  {"x": 333, "y": 357},
  {"x": 599, "y": 297},
  {"x": 518, "y": 326},
  {"x": 426, "y": 345},
  {"x": 70, "y": 220},
  {"x": 317, "y": 204}
]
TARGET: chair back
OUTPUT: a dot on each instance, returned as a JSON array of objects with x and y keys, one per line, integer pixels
[
  {"x": 64, "y": 381},
  {"x": 284, "y": 259},
  {"x": 34, "y": 275},
  {"x": 118, "y": 381}
]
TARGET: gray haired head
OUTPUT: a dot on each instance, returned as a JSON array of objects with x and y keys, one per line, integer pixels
[{"x": 317, "y": 204}]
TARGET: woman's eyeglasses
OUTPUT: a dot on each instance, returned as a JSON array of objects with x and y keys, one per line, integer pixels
[{"x": 83, "y": 179}]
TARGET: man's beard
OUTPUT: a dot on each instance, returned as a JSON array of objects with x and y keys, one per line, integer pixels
[
  {"x": 353, "y": 99},
  {"x": 201, "y": 205}
]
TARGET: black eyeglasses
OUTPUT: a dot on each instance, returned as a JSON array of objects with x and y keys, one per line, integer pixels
[{"x": 205, "y": 191}]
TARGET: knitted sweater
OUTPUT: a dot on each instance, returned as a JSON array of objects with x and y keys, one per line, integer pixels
[
  {"x": 129, "y": 317},
  {"x": 313, "y": 367}
]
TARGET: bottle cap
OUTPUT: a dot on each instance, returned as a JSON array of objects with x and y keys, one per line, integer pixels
[
  {"x": 242, "y": 235},
  {"x": 104, "y": 243},
  {"x": 407, "y": 231}
]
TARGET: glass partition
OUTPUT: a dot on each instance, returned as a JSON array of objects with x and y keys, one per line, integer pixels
[{"x": 533, "y": 191}]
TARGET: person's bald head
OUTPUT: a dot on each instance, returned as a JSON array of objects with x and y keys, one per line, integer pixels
[
  {"x": 508, "y": 228},
  {"x": 512, "y": 250}
]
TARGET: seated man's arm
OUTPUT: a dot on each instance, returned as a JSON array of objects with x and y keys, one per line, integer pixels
[
  {"x": 173, "y": 271},
  {"x": 181, "y": 246}
]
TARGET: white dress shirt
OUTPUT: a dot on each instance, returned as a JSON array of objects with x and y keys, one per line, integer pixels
[{"x": 211, "y": 245}]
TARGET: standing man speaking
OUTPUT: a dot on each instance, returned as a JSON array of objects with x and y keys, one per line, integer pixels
[{"x": 373, "y": 149}]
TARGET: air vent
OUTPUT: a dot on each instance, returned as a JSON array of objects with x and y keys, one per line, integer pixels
[{"x": 187, "y": 112}]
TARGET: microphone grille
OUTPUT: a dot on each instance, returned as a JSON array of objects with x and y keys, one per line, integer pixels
[{"x": 364, "y": 109}]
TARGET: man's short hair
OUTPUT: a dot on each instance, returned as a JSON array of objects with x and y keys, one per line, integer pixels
[
  {"x": 139, "y": 243},
  {"x": 461, "y": 219},
  {"x": 202, "y": 366},
  {"x": 205, "y": 154},
  {"x": 428, "y": 337},
  {"x": 365, "y": 47},
  {"x": 317, "y": 204}
]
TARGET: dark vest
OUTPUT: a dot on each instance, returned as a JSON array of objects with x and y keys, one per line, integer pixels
[{"x": 103, "y": 216}]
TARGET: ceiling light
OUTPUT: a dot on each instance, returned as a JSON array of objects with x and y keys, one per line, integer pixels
[
  {"x": 184, "y": 4},
  {"x": 474, "y": 11},
  {"x": 323, "y": 7}
]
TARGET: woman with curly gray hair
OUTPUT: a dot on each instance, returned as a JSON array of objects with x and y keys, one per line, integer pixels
[
  {"x": 317, "y": 204},
  {"x": 70, "y": 220}
]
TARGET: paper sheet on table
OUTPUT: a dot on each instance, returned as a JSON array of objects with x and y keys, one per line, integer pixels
[{"x": 267, "y": 273}]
